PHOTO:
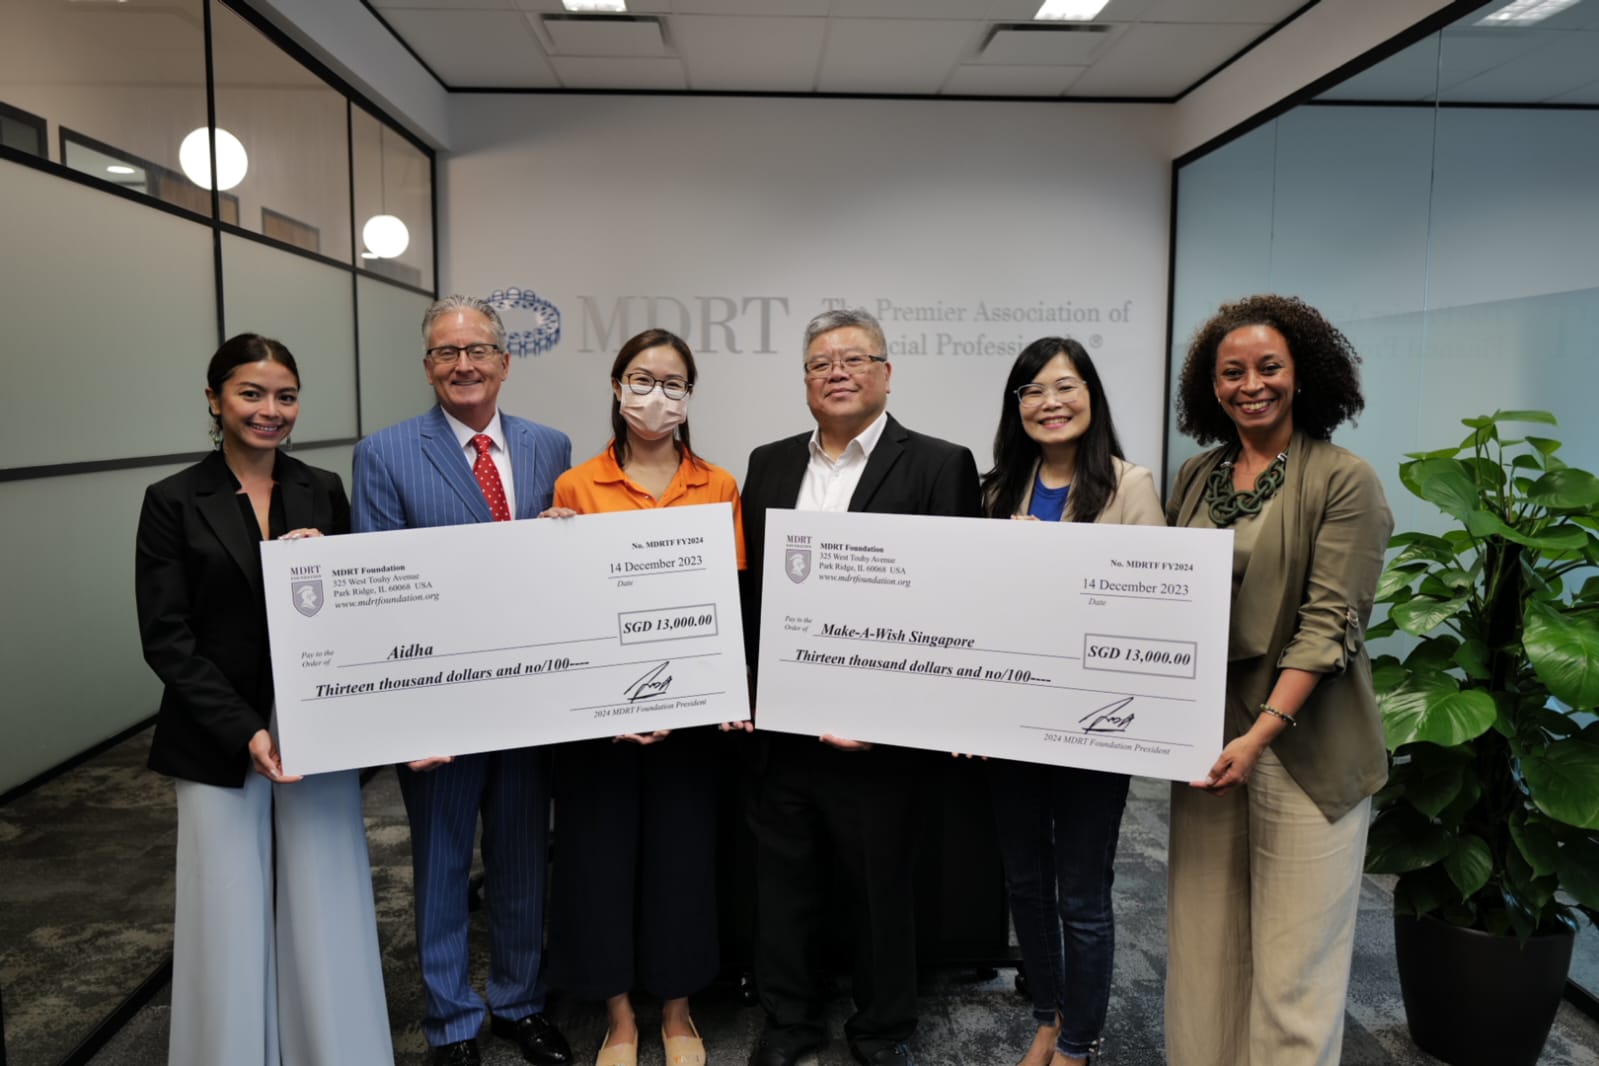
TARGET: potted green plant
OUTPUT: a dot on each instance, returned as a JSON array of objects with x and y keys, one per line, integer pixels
[{"x": 1491, "y": 814}]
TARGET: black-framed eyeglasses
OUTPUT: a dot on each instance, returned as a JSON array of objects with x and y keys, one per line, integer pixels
[
  {"x": 640, "y": 383},
  {"x": 854, "y": 363},
  {"x": 479, "y": 354},
  {"x": 1067, "y": 390}
]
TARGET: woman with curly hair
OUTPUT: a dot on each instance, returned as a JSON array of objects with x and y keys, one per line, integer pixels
[
  {"x": 1266, "y": 852},
  {"x": 1057, "y": 459}
]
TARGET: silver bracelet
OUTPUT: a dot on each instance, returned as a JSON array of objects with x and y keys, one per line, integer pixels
[{"x": 1266, "y": 708}]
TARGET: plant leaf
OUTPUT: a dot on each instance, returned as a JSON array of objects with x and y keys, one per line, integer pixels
[
  {"x": 1578, "y": 868},
  {"x": 1395, "y": 578},
  {"x": 1469, "y": 865},
  {"x": 1565, "y": 490},
  {"x": 1563, "y": 781},
  {"x": 1472, "y": 658},
  {"x": 1446, "y": 483},
  {"x": 1545, "y": 445},
  {"x": 1543, "y": 417},
  {"x": 1433, "y": 655},
  {"x": 1564, "y": 651},
  {"x": 1536, "y": 843},
  {"x": 1420, "y": 616},
  {"x": 1402, "y": 840},
  {"x": 1437, "y": 710},
  {"x": 1563, "y": 538}
]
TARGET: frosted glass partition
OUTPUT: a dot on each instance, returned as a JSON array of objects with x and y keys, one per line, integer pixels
[
  {"x": 71, "y": 658},
  {"x": 393, "y": 178},
  {"x": 307, "y": 306},
  {"x": 393, "y": 384},
  {"x": 110, "y": 311}
]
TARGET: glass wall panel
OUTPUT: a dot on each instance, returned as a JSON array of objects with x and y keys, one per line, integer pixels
[
  {"x": 393, "y": 184},
  {"x": 119, "y": 85},
  {"x": 393, "y": 384},
  {"x": 308, "y": 306},
  {"x": 292, "y": 128},
  {"x": 119, "y": 302}
]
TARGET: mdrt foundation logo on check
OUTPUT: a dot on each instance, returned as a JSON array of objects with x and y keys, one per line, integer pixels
[
  {"x": 532, "y": 324},
  {"x": 797, "y": 558},
  {"x": 305, "y": 589}
]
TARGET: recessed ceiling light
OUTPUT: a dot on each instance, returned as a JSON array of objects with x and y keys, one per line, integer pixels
[
  {"x": 1070, "y": 10},
  {"x": 611, "y": 7},
  {"x": 118, "y": 168},
  {"x": 1524, "y": 12}
]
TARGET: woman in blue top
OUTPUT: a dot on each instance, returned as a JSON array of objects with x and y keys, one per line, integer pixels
[{"x": 1056, "y": 459}]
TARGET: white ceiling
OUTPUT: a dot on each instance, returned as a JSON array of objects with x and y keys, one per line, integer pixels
[
  {"x": 1154, "y": 49},
  {"x": 1553, "y": 62}
]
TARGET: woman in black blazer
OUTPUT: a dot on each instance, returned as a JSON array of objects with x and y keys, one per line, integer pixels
[{"x": 275, "y": 955}]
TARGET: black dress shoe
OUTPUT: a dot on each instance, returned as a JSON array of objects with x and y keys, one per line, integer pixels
[
  {"x": 541, "y": 1042},
  {"x": 770, "y": 1051},
  {"x": 460, "y": 1053},
  {"x": 892, "y": 1055}
]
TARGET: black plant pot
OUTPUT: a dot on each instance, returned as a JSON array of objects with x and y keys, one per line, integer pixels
[{"x": 1472, "y": 998}]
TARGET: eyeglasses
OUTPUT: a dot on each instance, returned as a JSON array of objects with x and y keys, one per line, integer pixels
[
  {"x": 448, "y": 354},
  {"x": 854, "y": 364},
  {"x": 641, "y": 384},
  {"x": 1067, "y": 390}
]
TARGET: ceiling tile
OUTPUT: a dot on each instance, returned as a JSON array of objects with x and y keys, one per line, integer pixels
[
  {"x": 894, "y": 55},
  {"x": 448, "y": 5},
  {"x": 753, "y": 54},
  {"x": 605, "y": 36},
  {"x": 991, "y": 80},
  {"x": 1199, "y": 11},
  {"x": 1162, "y": 60},
  {"x": 761, "y": 8},
  {"x": 596, "y": 72},
  {"x": 1045, "y": 47},
  {"x": 476, "y": 49}
]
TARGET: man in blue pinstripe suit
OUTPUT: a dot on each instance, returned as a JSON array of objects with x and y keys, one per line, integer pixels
[{"x": 421, "y": 473}]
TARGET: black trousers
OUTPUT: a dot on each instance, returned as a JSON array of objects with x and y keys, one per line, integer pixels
[
  {"x": 819, "y": 814},
  {"x": 634, "y": 875}
]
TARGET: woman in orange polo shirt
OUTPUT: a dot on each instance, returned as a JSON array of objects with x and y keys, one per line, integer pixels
[{"x": 634, "y": 876}]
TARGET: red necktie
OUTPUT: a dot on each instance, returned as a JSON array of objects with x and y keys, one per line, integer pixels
[{"x": 488, "y": 478}]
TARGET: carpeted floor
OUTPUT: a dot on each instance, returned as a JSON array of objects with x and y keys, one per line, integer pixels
[{"x": 85, "y": 890}]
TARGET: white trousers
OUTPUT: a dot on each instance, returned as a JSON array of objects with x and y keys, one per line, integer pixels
[
  {"x": 276, "y": 967},
  {"x": 1262, "y": 898}
]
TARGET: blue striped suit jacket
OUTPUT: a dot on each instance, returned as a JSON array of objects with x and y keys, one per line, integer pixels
[{"x": 415, "y": 474}]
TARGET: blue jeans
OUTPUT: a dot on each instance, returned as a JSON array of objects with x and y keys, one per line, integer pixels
[{"x": 1057, "y": 830}]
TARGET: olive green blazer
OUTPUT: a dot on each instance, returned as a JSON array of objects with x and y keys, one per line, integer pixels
[{"x": 1304, "y": 603}]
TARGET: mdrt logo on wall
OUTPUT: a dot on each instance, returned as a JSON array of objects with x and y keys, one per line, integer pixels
[{"x": 532, "y": 324}]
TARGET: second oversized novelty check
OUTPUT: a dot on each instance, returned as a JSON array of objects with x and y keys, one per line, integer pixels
[
  {"x": 388, "y": 647},
  {"x": 1101, "y": 646}
]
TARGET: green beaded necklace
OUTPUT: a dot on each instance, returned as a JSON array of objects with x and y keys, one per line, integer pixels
[{"x": 1227, "y": 504}]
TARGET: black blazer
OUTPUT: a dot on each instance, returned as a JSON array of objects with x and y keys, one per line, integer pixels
[
  {"x": 907, "y": 473},
  {"x": 202, "y": 611}
]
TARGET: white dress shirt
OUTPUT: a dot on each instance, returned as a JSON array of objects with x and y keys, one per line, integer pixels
[
  {"x": 502, "y": 458},
  {"x": 829, "y": 483}
]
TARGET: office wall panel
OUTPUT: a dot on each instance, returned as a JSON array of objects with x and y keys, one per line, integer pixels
[
  {"x": 109, "y": 307},
  {"x": 393, "y": 384},
  {"x": 310, "y": 307},
  {"x": 971, "y": 228}
]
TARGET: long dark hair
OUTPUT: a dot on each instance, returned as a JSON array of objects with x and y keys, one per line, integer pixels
[
  {"x": 240, "y": 351},
  {"x": 650, "y": 338},
  {"x": 1016, "y": 454}
]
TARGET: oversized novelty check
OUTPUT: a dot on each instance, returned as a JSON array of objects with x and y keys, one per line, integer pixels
[
  {"x": 1101, "y": 646},
  {"x": 388, "y": 647}
]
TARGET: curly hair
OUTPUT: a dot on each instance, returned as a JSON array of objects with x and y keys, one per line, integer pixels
[{"x": 1326, "y": 368}]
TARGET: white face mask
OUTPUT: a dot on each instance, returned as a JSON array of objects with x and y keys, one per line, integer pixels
[{"x": 652, "y": 416}]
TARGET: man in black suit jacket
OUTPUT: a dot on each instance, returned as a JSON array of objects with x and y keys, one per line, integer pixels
[{"x": 839, "y": 800}]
